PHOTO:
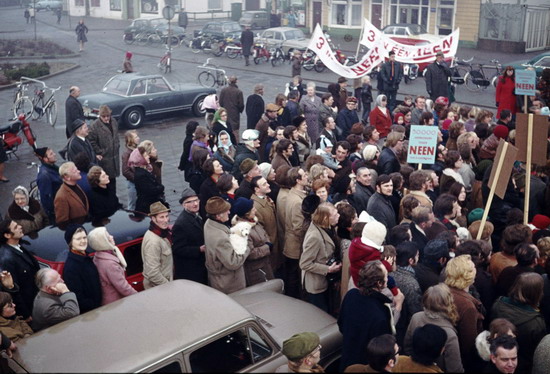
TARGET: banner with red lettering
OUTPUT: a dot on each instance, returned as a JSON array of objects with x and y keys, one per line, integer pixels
[
  {"x": 322, "y": 49},
  {"x": 412, "y": 54}
]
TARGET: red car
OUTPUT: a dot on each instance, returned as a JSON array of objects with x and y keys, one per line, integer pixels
[{"x": 50, "y": 249}]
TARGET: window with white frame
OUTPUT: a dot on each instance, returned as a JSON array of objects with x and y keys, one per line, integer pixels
[
  {"x": 346, "y": 13},
  {"x": 410, "y": 11},
  {"x": 214, "y": 4},
  {"x": 115, "y": 4}
]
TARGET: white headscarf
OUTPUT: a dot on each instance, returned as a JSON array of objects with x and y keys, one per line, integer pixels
[{"x": 98, "y": 239}]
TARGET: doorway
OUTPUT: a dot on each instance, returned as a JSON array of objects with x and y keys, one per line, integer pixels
[
  {"x": 409, "y": 15},
  {"x": 376, "y": 15},
  {"x": 317, "y": 14}
]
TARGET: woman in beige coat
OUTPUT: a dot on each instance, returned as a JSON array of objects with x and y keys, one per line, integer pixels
[
  {"x": 224, "y": 264},
  {"x": 318, "y": 249}
]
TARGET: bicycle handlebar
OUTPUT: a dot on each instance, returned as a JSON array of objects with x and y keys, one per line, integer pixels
[{"x": 32, "y": 80}]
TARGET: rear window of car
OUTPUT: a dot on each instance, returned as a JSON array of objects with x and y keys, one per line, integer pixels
[
  {"x": 228, "y": 27},
  {"x": 158, "y": 21},
  {"x": 294, "y": 34},
  {"x": 117, "y": 87}
]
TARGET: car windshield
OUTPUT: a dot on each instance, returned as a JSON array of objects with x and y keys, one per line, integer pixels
[
  {"x": 294, "y": 34},
  {"x": 228, "y": 27},
  {"x": 159, "y": 22},
  {"x": 117, "y": 86}
]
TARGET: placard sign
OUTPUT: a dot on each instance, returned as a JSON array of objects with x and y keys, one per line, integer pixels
[
  {"x": 525, "y": 82},
  {"x": 422, "y": 144},
  {"x": 540, "y": 138}
]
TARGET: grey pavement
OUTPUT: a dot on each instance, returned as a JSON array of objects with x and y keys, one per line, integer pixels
[{"x": 103, "y": 56}]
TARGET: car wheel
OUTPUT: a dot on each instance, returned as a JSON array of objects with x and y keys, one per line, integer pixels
[
  {"x": 133, "y": 117},
  {"x": 197, "y": 111}
]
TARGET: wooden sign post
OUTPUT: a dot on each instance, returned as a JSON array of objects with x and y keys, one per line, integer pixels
[
  {"x": 531, "y": 140},
  {"x": 498, "y": 181}
]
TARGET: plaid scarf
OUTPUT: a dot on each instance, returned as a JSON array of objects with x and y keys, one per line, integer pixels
[{"x": 163, "y": 233}]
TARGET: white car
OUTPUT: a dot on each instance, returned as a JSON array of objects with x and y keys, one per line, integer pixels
[
  {"x": 409, "y": 33},
  {"x": 289, "y": 38}
]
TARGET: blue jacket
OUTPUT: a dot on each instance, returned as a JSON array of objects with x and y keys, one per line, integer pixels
[
  {"x": 361, "y": 319},
  {"x": 345, "y": 120},
  {"x": 48, "y": 181}
]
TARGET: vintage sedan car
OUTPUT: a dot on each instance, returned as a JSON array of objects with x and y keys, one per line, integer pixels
[
  {"x": 289, "y": 38},
  {"x": 50, "y": 249},
  {"x": 48, "y": 5},
  {"x": 135, "y": 97},
  {"x": 220, "y": 30},
  {"x": 408, "y": 33},
  {"x": 180, "y": 327},
  {"x": 152, "y": 25},
  {"x": 539, "y": 63}
]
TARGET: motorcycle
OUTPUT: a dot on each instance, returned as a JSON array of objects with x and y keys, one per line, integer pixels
[
  {"x": 410, "y": 72},
  {"x": 10, "y": 135}
]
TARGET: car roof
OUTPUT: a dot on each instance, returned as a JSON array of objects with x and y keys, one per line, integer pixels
[
  {"x": 132, "y": 76},
  {"x": 134, "y": 332},
  {"x": 49, "y": 243},
  {"x": 221, "y": 22},
  {"x": 281, "y": 28}
]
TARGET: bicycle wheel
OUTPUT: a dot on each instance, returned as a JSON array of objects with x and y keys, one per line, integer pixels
[
  {"x": 36, "y": 108},
  {"x": 234, "y": 52},
  {"x": 196, "y": 46},
  {"x": 51, "y": 114},
  {"x": 217, "y": 49},
  {"x": 141, "y": 39},
  {"x": 128, "y": 38},
  {"x": 34, "y": 192},
  {"x": 174, "y": 41},
  {"x": 469, "y": 83},
  {"x": 207, "y": 79},
  {"x": 278, "y": 58},
  {"x": 23, "y": 106}
]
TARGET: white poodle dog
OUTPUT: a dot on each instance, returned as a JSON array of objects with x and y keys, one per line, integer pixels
[{"x": 239, "y": 236}]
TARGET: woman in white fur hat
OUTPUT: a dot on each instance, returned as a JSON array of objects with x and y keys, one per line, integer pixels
[{"x": 110, "y": 264}]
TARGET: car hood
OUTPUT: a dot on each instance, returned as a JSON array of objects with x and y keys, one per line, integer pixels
[
  {"x": 95, "y": 100},
  {"x": 297, "y": 43},
  {"x": 283, "y": 316}
]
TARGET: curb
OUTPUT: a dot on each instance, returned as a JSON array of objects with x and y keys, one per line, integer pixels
[
  {"x": 55, "y": 57},
  {"x": 8, "y": 86}
]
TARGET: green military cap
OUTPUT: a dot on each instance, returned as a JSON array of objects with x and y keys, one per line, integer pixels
[{"x": 300, "y": 345}]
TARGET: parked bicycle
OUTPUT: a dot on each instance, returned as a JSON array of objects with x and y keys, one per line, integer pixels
[
  {"x": 278, "y": 56},
  {"x": 475, "y": 79},
  {"x": 34, "y": 192},
  {"x": 205, "y": 43},
  {"x": 212, "y": 75},
  {"x": 158, "y": 38},
  {"x": 234, "y": 50},
  {"x": 45, "y": 107},
  {"x": 22, "y": 103},
  {"x": 165, "y": 64}
]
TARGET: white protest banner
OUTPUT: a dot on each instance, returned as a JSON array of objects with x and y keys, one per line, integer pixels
[
  {"x": 412, "y": 54},
  {"x": 422, "y": 144},
  {"x": 322, "y": 49}
]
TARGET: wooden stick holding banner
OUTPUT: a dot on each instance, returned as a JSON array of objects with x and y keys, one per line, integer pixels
[
  {"x": 498, "y": 181},
  {"x": 531, "y": 140}
]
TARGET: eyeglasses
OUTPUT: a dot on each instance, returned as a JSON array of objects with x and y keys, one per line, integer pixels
[{"x": 191, "y": 201}]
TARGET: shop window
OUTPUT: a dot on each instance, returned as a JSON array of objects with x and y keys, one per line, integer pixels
[
  {"x": 115, "y": 5},
  {"x": 95, "y": 3},
  {"x": 149, "y": 6},
  {"x": 214, "y": 4},
  {"x": 347, "y": 13},
  {"x": 79, "y": 2}
]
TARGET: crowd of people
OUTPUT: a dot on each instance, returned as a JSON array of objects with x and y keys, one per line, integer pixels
[{"x": 315, "y": 191}]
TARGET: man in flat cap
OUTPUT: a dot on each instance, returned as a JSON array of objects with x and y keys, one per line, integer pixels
[
  {"x": 303, "y": 351},
  {"x": 224, "y": 265},
  {"x": 188, "y": 247},
  {"x": 156, "y": 248},
  {"x": 249, "y": 169}
]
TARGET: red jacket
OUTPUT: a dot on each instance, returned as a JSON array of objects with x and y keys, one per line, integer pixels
[
  {"x": 505, "y": 96},
  {"x": 380, "y": 121}
]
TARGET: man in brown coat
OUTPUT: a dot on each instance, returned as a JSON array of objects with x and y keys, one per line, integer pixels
[
  {"x": 70, "y": 203},
  {"x": 298, "y": 180},
  {"x": 266, "y": 214},
  {"x": 103, "y": 136},
  {"x": 232, "y": 99}
]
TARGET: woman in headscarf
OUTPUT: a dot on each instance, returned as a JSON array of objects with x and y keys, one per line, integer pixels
[
  {"x": 26, "y": 211},
  {"x": 380, "y": 117},
  {"x": 225, "y": 153},
  {"x": 110, "y": 264},
  {"x": 149, "y": 189}
]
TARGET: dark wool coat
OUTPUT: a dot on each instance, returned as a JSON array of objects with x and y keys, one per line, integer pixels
[
  {"x": 23, "y": 267},
  {"x": 436, "y": 78},
  {"x": 103, "y": 202},
  {"x": 388, "y": 162},
  {"x": 379, "y": 206},
  {"x": 73, "y": 110},
  {"x": 231, "y": 98},
  {"x": 48, "y": 181},
  {"x": 361, "y": 319},
  {"x": 106, "y": 143},
  {"x": 188, "y": 236},
  {"x": 82, "y": 278},
  {"x": 76, "y": 146},
  {"x": 33, "y": 220},
  {"x": 255, "y": 107},
  {"x": 148, "y": 189}
]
